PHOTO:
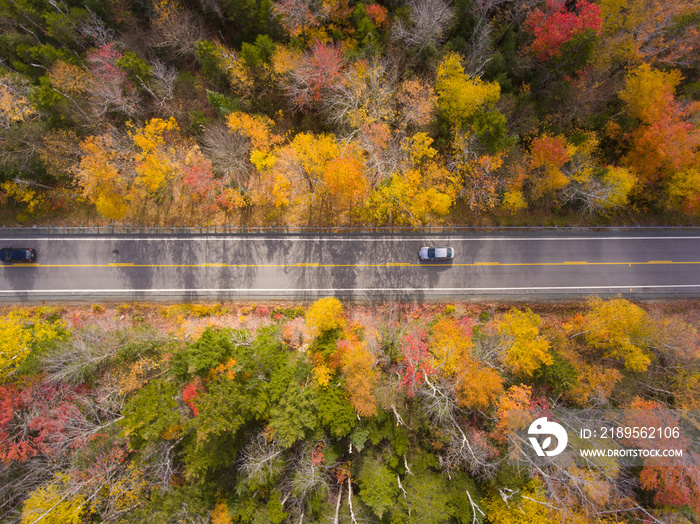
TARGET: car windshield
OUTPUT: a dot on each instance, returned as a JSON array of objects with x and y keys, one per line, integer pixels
[{"x": 431, "y": 252}]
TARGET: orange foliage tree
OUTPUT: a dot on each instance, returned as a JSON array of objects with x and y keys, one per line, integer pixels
[
  {"x": 547, "y": 157},
  {"x": 512, "y": 411},
  {"x": 313, "y": 177},
  {"x": 154, "y": 174},
  {"x": 476, "y": 386},
  {"x": 666, "y": 141},
  {"x": 360, "y": 376}
]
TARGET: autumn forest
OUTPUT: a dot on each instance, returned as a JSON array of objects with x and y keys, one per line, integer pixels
[
  {"x": 347, "y": 113},
  {"x": 334, "y": 413},
  {"x": 397, "y": 113}
]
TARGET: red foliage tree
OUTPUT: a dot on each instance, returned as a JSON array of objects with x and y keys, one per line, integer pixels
[
  {"x": 190, "y": 392},
  {"x": 41, "y": 418},
  {"x": 12, "y": 446},
  {"x": 676, "y": 480},
  {"x": 674, "y": 486},
  {"x": 379, "y": 15},
  {"x": 417, "y": 361},
  {"x": 99, "y": 459},
  {"x": 556, "y": 26},
  {"x": 103, "y": 62},
  {"x": 316, "y": 74},
  {"x": 200, "y": 179},
  {"x": 111, "y": 89}
]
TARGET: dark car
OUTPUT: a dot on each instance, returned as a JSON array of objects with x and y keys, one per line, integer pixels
[
  {"x": 436, "y": 253},
  {"x": 16, "y": 254}
]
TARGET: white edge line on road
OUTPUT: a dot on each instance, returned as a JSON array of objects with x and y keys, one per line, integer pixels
[
  {"x": 336, "y": 290},
  {"x": 321, "y": 239}
]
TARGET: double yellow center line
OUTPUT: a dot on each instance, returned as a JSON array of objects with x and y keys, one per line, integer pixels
[{"x": 387, "y": 264}]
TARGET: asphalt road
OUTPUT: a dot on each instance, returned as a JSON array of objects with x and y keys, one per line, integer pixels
[{"x": 86, "y": 268}]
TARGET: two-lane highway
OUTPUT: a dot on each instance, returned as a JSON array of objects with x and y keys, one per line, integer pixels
[{"x": 101, "y": 267}]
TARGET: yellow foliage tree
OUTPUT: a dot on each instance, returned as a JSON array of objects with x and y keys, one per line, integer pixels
[
  {"x": 530, "y": 505},
  {"x": 54, "y": 503},
  {"x": 419, "y": 148},
  {"x": 149, "y": 176},
  {"x": 154, "y": 167},
  {"x": 345, "y": 183},
  {"x": 621, "y": 329},
  {"x": 19, "y": 334},
  {"x": 100, "y": 176},
  {"x": 594, "y": 384},
  {"x": 69, "y": 79},
  {"x": 687, "y": 391},
  {"x": 413, "y": 198},
  {"x": 622, "y": 181},
  {"x": 14, "y": 104},
  {"x": 127, "y": 491},
  {"x": 234, "y": 68},
  {"x": 220, "y": 514},
  {"x": 683, "y": 192},
  {"x": 527, "y": 350},
  {"x": 326, "y": 314},
  {"x": 460, "y": 96},
  {"x": 322, "y": 374},
  {"x": 527, "y": 507},
  {"x": 22, "y": 194},
  {"x": 15, "y": 342},
  {"x": 648, "y": 91},
  {"x": 285, "y": 59},
  {"x": 513, "y": 201},
  {"x": 257, "y": 128},
  {"x": 313, "y": 175},
  {"x": 313, "y": 152},
  {"x": 450, "y": 346}
]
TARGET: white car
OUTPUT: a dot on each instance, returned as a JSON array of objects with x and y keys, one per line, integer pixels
[{"x": 436, "y": 253}]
